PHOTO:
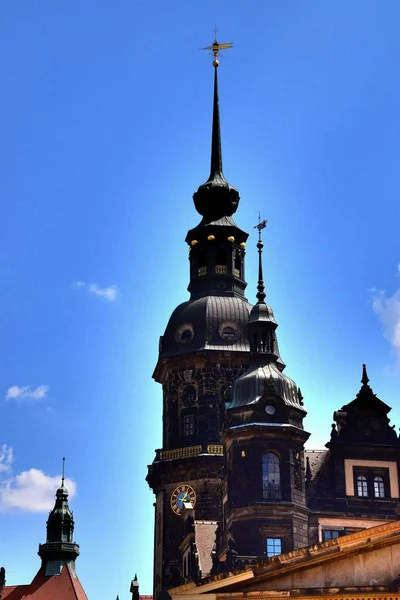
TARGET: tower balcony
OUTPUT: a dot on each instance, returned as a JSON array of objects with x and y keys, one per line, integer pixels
[{"x": 189, "y": 451}]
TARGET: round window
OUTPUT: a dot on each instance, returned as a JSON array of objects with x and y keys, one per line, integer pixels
[
  {"x": 269, "y": 409},
  {"x": 228, "y": 331},
  {"x": 185, "y": 333}
]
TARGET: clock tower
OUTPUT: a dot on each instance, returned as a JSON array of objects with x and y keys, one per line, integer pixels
[{"x": 203, "y": 350}]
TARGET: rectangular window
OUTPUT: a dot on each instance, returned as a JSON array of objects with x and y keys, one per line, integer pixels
[
  {"x": 330, "y": 534},
  {"x": 273, "y": 546},
  {"x": 188, "y": 425}
]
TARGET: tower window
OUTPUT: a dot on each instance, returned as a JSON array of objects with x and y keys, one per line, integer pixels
[
  {"x": 188, "y": 425},
  {"x": 273, "y": 546},
  {"x": 189, "y": 396},
  {"x": 221, "y": 257},
  {"x": 271, "y": 477},
  {"x": 379, "y": 487},
  {"x": 362, "y": 486},
  {"x": 238, "y": 265},
  {"x": 226, "y": 392}
]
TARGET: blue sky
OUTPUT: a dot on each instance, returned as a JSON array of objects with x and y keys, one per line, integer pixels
[{"x": 106, "y": 118}]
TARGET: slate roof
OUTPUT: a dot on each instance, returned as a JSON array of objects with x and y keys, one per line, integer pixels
[
  {"x": 316, "y": 458},
  {"x": 65, "y": 586},
  {"x": 259, "y": 380},
  {"x": 205, "y": 315}
]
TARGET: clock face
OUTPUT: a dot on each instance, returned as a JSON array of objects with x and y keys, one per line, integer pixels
[{"x": 183, "y": 493}]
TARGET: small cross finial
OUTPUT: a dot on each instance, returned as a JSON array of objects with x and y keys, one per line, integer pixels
[
  {"x": 215, "y": 48},
  {"x": 63, "y": 471}
]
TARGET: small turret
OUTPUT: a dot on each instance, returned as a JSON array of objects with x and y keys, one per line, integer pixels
[
  {"x": 59, "y": 547},
  {"x": 134, "y": 589}
]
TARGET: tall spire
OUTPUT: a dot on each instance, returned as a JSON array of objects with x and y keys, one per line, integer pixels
[
  {"x": 216, "y": 153},
  {"x": 216, "y": 198},
  {"x": 260, "y": 287}
]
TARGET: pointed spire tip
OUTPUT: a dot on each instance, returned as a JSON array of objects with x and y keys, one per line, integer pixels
[{"x": 364, "y": 378}]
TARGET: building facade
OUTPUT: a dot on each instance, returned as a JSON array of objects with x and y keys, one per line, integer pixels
[{"x": 233, "y": 481}]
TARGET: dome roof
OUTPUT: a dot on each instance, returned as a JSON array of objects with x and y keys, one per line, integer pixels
[
  {"x": 260, "y": 380},
  {"x": 262, "y": 312},
  {"x": 207, "y": 323}
]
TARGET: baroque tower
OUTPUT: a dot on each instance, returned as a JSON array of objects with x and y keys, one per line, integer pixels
[
  {"x": 212, "y": 340},
  {"x": 202, "y": 352},
  {"x": 233, "y": 482}
]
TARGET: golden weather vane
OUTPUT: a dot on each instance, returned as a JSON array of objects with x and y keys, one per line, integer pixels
[{"x": 216, "y": 48}]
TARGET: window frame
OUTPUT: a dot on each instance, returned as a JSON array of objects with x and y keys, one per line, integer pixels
[
  {"x": 188, "y": 430},
  {"x": 369, "y": 475},
  {"x": 271, "y": 488},
  {"x": 273, "y": 541}
]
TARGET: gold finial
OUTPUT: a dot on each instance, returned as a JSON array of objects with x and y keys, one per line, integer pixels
[{"x": 216, "y": 48}]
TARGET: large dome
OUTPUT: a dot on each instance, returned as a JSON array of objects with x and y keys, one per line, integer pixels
[{"x": 208, "y": 323}]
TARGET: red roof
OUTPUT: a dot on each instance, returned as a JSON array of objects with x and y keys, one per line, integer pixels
[{"x": 65, "y": 586}]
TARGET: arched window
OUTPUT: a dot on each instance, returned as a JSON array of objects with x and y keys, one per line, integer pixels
[
  {"x": 271, "y": 477},
  {"x": 362, "y": 486},
  {"x": 379, "y": 487}
]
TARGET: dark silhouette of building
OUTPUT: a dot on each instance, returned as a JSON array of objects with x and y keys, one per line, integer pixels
[{"x": 233, "y": 481}]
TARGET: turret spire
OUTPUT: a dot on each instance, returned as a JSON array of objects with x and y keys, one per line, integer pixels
[
  {"x": 364, "y": 378},
  {"x": 59, "y": 545},
  {"x": 260, "y": 287},
  {"x": 63, "y": 472}
]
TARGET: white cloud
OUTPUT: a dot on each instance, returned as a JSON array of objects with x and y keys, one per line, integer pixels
[
  {"x": 387, "y": 308},
  {"x": 6, "y": 458},
  {"x": 32, "y": 491},
  {"x": 109, "y": 293},
  {"x": 22, "y": 393}
]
